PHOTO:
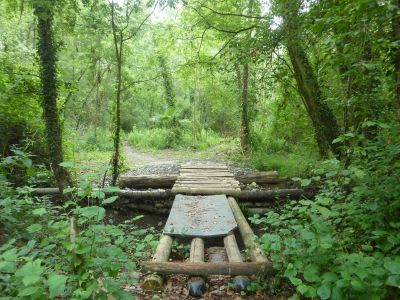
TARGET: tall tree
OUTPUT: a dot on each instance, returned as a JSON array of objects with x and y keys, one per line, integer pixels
[
  {"x": 324, "y": 122},
  {"x": 168, "y": 87},
  {"x": 48, "y": 77},
  {"x": 245, "y": 126},
  {"x": 122, "y": 32},
  {"x": 396, "y": 55}
]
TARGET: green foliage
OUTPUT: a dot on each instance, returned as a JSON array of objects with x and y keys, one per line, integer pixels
[
  {"x": 345, "y": 243},
  {"x": 41, "y": 260},
  {"x": 164, "y": 138}
]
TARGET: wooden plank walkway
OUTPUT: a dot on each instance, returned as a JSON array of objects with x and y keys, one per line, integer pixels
[{"x": 202, "y": 179}]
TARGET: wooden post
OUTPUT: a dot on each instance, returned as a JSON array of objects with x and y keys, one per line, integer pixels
[
  {"x": 154, "y": 282},
  {"x": 233, "y": 253},
  {"x": 205, "y": 269},
  {"x": 246, "y": 233},
  {"x": 196, "y": 283}
]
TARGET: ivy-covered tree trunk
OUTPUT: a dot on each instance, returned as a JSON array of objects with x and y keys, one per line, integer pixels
[
  {"x": 396, "y": 55},
  {"x": 48, "y": 77},
  {"x": 324, "y": 122},
  {"x": 245, "y": 127},
  {"x": 169, "y": 91}
]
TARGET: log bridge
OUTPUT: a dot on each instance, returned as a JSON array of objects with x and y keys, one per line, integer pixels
[{"x": 204, "y": 208}]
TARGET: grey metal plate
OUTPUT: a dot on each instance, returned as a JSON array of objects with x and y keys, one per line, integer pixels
[{"x": 200, "y": 216}]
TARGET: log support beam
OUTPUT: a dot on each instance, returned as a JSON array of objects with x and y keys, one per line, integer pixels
[
  {"x": 154, "y": 281},
  {"x": 247, "y": 234},
  {"x": 232, "y": 251},
  {"x": 196, "y": 284}
]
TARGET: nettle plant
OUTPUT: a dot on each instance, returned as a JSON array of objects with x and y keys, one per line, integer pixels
[
  {"x": 68, "y": 250},
  {"x": 345, "y": 243}
]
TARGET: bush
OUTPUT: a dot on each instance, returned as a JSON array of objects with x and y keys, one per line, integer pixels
[
  {"x": 41, "y": 259},
  {"x": 344, "y": 244}
]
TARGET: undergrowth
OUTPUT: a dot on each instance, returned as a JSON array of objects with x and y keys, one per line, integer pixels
[
  {"x": 66, "y": 250},
  {"x": 345, "y": 243}
]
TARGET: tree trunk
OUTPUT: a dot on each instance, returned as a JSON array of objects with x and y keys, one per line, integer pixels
[
  {"x": 396, "y": 56},
  {"x": 322, "y": 117},
  {"x": 118, "y": 43},
  {"x": 169, "y": 91},
  {"x": 48, "y": 77},
  {"x": 244, "y": 128}
]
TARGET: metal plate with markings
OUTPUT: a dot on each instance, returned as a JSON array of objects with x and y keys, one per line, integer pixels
[{"x": 200, "y": 216}]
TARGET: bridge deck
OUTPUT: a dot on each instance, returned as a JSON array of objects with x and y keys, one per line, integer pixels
[{"x": 196, "y": 179}]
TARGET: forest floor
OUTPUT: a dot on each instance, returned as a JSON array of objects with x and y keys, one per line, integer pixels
[{"x": 166, "y": 162}]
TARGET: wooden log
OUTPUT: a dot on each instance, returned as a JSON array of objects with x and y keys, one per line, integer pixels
[
  {"x": 139, "y": 196},
  {"x": 232, "y": 251},
  {"x": 197, "y": 250},
  {"x": 206, "y": 191},
  {"x": 128, "y": 194},
  {"x": 269, "y": 195},
  {"x": 146, "y": 181},
  {"x": 196, "y": 283},
  {"x": 246, "y": 233},
  {"x": 245, "y": 268},
  {"x": 163, "y": 249},
  {"x": 154, "y": 282},
  {"x": 270, "y": 177}
]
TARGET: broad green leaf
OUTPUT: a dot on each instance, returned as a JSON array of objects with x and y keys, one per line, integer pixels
[
  {"x": 393, "y": 280},
  {"x": 66, "y": 164},
  {"x": 95, "y": 212},
  {"x": 27, "y": 162},
  {"x": 305, "y": 182},
  {"x": 325, "y": 212},
  {"x": 30, "y": 272},
  {"x": 324, "y": 291},
  {"x": 393, "y": 266},
  {"x": 34, "y": 228},
  {"x": 28, "y": 291},
  {"x": 110, "y": 200},
  {"x": 39, "y": 211},
  {"x": 110, "y": 189},
  {"x": 56, "y": 284},
  {"x": 311, "y": 273}
]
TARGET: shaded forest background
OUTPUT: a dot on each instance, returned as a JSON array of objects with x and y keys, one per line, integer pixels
[{"x": 308, "y": 88}]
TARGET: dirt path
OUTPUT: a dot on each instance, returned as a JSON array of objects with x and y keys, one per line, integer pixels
[{"x": 141, "y": 158}]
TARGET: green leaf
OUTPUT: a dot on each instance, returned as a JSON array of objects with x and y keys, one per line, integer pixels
[
  {"x": 311, "y": 273},
  {"x": 393, "y": 266},
  {"x": 39, "y": 211},
  {"x": 305, "y": 182},
  {"x": 337, "y": 294},
  {"x": 110, "y": 200},
  {"x": 56, "y": 284},
  {"x": 30, "y": 272},
  {"x": 325, "y": 212},
  {"x": 27, "y": 162},
  {"x": 68, "y": 190},
  {"x": 28, "y": 291},
  {"x": 393, "y": 280},
  {"x": 110, "y": 189},
  {"x": 95, "y": 212},
  {"x": 324, "y": 291},
  {"x": 66, "y": 164},
  {"x": 34, "y": 228}
]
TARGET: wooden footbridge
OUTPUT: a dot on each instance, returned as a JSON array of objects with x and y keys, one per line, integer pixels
[{"x": 203, "y": 209}]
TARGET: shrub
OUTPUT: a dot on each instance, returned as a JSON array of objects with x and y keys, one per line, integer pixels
[
  {"x": 41, "y": 259},
  {"x": 344, "y": 244}
]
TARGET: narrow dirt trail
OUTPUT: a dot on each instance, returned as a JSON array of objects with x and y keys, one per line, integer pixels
[{"x": 140, "y": 158}]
